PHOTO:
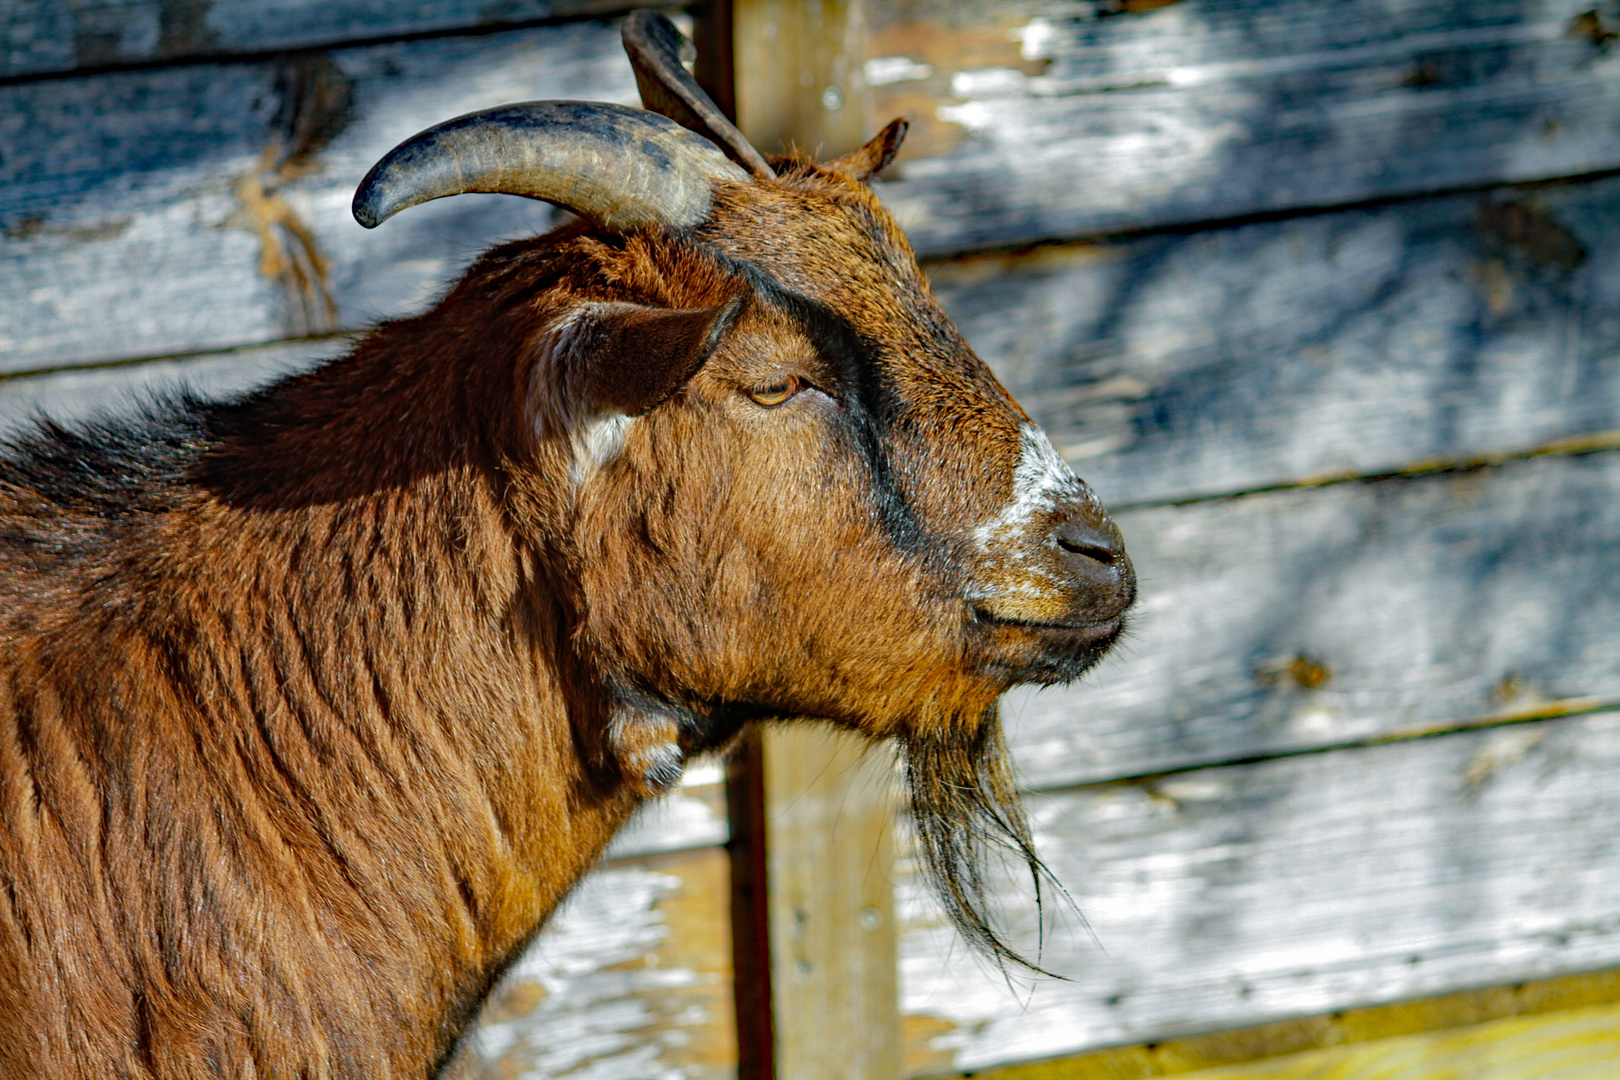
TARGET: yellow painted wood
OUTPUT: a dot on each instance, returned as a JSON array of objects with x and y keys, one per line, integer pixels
[
  {"x": 1580, "y": 1045},
  {"x": 1566, "y": 1028}
]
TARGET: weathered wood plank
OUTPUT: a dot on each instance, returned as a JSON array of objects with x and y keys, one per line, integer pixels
[
  {"x": 692, "y": 816},
  {"x": 800, "y": 74},
  {"x": 1476, "y": 1011},
  {"x": 174, "y": 210},
  {"x": 1041, "y": 120},
  {"x": 1581, "y": 1045},
  {"x": 630, "y": 981},
  {"x": 1308, "y": 618},
  {"x": 39, "y": 36},
  {"x": 80, "y": 393},
  {"x": 829, "y": 825},
  {"x": 1577, "y": 1045},
  {"x": 1232, "y": 896},
  {"x": 1359, "y": 341}
]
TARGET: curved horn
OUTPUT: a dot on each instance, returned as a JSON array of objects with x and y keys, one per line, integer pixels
[
  {"x": 654, "y": 46},
  {"x": 620, "y": 167}
]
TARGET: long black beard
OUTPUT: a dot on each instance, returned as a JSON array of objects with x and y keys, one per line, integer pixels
[{"x": 965, "y": 809}]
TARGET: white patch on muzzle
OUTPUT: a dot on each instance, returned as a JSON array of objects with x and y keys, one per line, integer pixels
[
  {"x": 1042, "y": 483},
  {"x": 559, "y": 409}
]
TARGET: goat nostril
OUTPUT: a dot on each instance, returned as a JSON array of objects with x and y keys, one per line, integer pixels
[
  {"x": 1097, "y": 541},
  {"x": 1105, "y": 555}
]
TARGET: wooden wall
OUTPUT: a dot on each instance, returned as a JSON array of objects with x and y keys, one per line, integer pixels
[{"x": 1322, "y": 296}]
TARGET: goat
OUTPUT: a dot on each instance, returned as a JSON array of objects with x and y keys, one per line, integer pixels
[{"x": 315, "y": 702}]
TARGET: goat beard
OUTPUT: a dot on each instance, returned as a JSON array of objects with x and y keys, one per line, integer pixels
[{"x": 966, "y": 815}]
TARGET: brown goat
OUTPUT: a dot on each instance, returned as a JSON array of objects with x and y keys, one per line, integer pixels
[{"x": 315, "y": 703}]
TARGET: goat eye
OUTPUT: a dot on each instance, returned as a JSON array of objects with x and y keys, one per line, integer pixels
[{"x": 776, "y": 393}]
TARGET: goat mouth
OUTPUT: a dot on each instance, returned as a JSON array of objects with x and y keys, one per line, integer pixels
[{"x": 1033, "y": 651}]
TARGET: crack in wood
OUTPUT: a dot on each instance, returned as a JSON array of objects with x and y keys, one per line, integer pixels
[{"x": 315, "y": 106}]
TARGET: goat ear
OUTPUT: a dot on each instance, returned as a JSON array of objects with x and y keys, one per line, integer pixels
[
  {"x": 636, "y": 357},
  {"x": 875, "y": 155}
]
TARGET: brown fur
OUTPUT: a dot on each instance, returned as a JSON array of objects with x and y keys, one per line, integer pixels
[{"x": 315, "y": 704}]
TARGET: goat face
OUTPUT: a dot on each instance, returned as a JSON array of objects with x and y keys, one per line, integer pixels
[
  {"x": 773, "y": 479},
  {"x": 841, "y": 513}
]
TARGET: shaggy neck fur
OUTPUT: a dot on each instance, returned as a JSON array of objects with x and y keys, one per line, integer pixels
[{"x": 360, "y": 807}]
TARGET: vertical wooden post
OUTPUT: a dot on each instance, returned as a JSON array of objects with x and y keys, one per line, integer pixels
[
  {"x": 812, "y": 810},
  {"x": 800, "y": 74},
  {"x": 829, "y": 826},
  {"x": 813, "y": 917}
]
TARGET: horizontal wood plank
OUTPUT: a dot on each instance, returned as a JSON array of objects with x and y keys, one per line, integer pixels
[
  {"x": 1039, "y": 121},
  {"x": 1581, "y": 1045},
  {"x": 42, "y": 36},
  {"x": 175, "y": 210},
  {"x": 1313, "y": 617},
  {"x": 1244, "y": 894},
  {"x": 1478, "y": 1013},
  {"x": 631, "y": 980},
  {"x": 114, "y": 390},
  {"x": 1353, "y": 342}
]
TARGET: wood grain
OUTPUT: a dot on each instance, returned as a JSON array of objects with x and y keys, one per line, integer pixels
[
  {"x": 631, "y": 980},
  {"x": 172, "y": 210},
  {"x": 1243, "y": 894},
  {"x": 1581, "y": 1045},
  {"x": 1039, "y": 121},
  {"x": 40, "y": 36},
  {"x": 1472, "y": 1010},
  {"x": 800, "y": 74},
  {"x": 829, "y": 820},
  {"x": 1306, "y": 618},
  {"x": 1235, "y": 358}
]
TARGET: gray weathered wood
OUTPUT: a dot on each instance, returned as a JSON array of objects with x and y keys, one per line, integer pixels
[
  {"x": 38, "y": 36},
  {"x": 829, "y": 824},
  {"x": 1233, "y": 896},
  {"x": 1233, "y": 358},
  {"x": 631, "y": 980},
  {"x": 1306, "y": 618},
  {"x": 162, "y": 211},
  {"x": 81, "y": 393},
  {"x": 1046, "y": 120}
]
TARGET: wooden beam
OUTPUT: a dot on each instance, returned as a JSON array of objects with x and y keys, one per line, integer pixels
[
  {"x": 1573, "y": 1021},
  {"x": 800, "y": 74},
  {"x": 812, "y": 810}
]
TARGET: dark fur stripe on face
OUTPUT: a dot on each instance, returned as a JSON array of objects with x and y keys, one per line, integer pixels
[
  {"x": 965, "y": 807},
  {"x": 867, "y": 399}
]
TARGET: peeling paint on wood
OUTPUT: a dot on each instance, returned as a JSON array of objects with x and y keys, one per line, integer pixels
[
  {"x": 39, "y": 36},
  {"x": 1040, "y": 121},
  {"x": 127, "y": 228},
  {"x": 1421, "y": 601},
  {"x": 1290, "y": 888},
  {"x": 631, "y": 980},
  {"x": 1347, "y": 343}
]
